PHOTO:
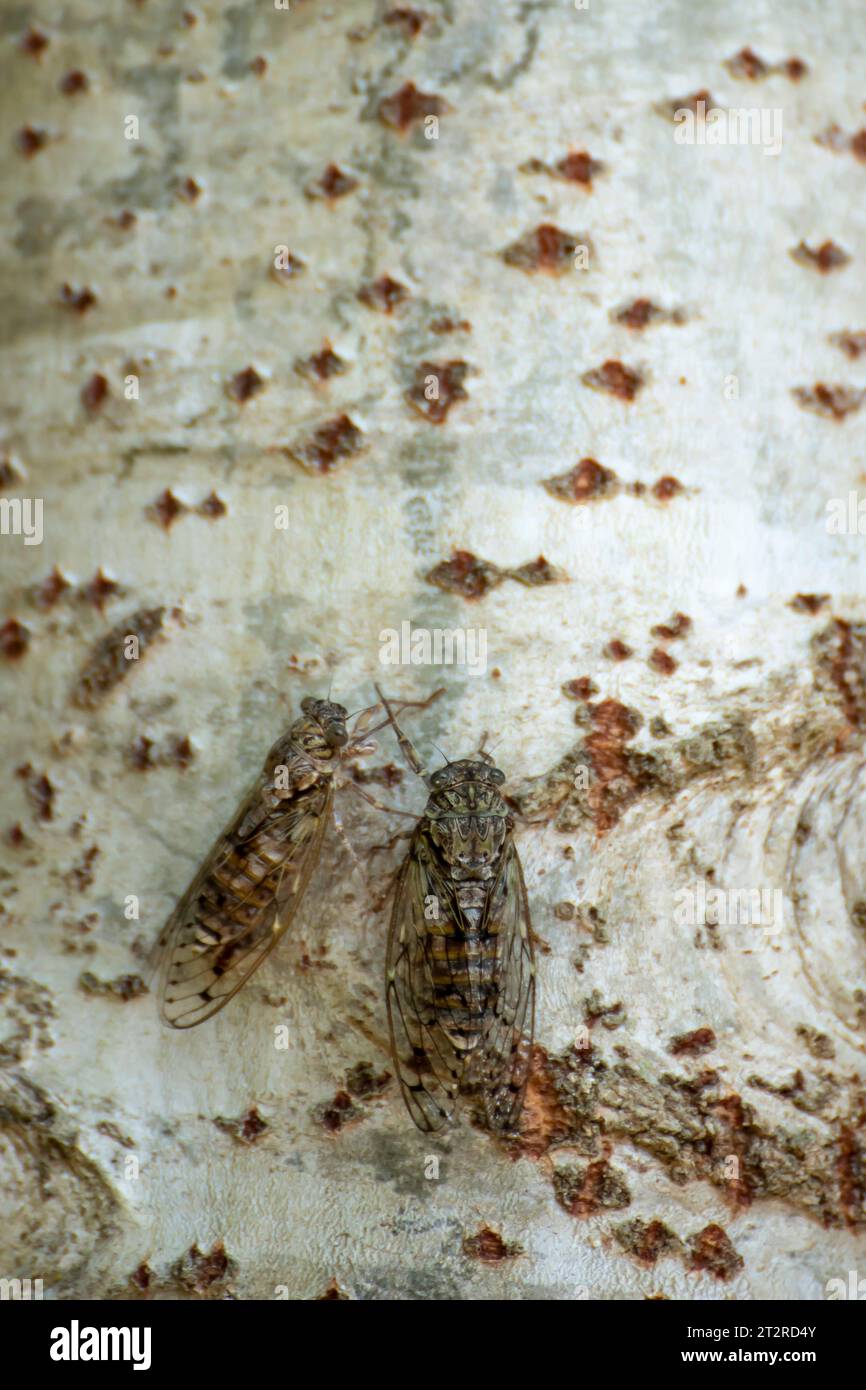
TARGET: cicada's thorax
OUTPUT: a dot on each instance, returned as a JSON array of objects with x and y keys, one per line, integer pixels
[
  {"x": 308, "y": 754},
  {"x": 467, "y": 821}
]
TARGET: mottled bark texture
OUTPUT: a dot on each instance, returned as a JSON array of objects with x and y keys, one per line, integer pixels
[{"x": 442, "y": 286}]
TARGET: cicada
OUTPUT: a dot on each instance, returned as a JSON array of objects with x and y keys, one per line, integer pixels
[
  {"x": 246, "y": 893},
  {"x": 460, "y": 981}
]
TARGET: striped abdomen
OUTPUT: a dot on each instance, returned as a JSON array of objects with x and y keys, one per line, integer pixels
[{"x": 463, "y": 968}]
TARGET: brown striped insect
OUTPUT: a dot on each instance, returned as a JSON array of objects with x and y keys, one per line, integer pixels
[
  {"x": 460, "y": 983},
  {"x": 246, "y": 893}
]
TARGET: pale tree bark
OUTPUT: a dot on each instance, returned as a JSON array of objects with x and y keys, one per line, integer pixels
[{"x": 694, "y": 1126}]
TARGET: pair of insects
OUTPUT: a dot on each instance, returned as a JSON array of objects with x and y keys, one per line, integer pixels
[{"x": 460, "y": 982}]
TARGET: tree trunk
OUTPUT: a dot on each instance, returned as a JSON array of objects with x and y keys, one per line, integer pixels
[{"x": 327, "y": 320}]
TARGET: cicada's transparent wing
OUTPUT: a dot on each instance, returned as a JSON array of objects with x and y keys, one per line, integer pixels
[
  {"x": 428, "y": 1063},
  {"x": 499, "y": 1067},
  {"x": 241, "y": 902}
]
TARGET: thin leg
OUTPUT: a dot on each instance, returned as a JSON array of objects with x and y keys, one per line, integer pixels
[
  {"x": 377, "y": 903},
  {"x": 520, "y": 819},
  {"x": 391, "y": 878},
  {"x": 380, "y": 805},
  {"x": 389, "y": 844},
  {"x": 402, "y": 705},
  {"x": 408, "y": 750},
  {"x": 347, "y": 844}
]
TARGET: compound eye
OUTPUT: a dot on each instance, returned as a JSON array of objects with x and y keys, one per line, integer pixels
[
  {"x": 438, "y": 778},
  {"x": 495, "y": 775}
]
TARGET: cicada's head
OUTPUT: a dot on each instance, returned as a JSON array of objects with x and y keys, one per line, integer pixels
[
  {"x": 322, "y": 731},
  {"x": 474, "y": 781},
  {"x": 467, "y": 816}
]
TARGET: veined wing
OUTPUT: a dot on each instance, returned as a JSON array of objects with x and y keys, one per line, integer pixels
[
  {"x": 428, "y": 1064},
  {"x": 241, "y": 902},
  {"x": 499, "y": 1065}
]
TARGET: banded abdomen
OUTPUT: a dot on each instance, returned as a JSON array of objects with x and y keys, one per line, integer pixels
[{"x": 463, "y": 975}]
